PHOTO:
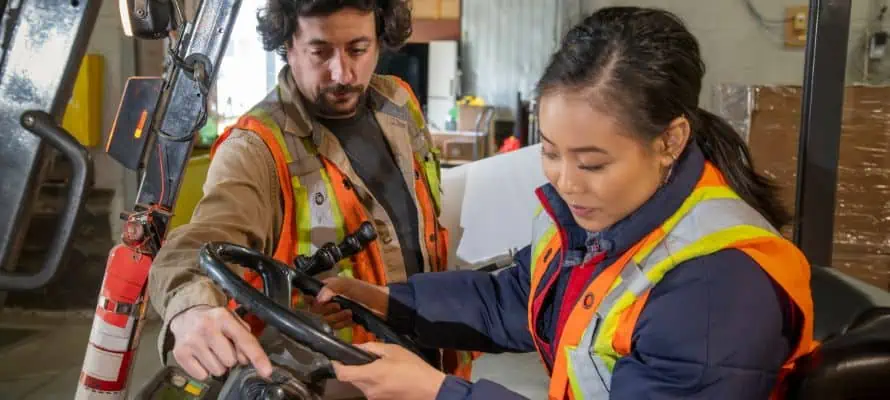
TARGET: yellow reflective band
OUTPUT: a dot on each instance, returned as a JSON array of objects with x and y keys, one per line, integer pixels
[
  {"x": 542, "y": 244},
  {"x": 465, "y": 357},
  {"x": 618, "y": 280},
  {"x": 346, "y": 269},
  {"x": 431, "y": 170},
  {"x": 697, "y": 196},
  {"x": 706, "y": 245},
  {"x": 270, "y": 123},
  {"x": 416, "y": 114},
  {"x": 345, "y": 334},
  {"x": 309, "y": 146},
  {"x": 304, "y": 218},
  {"x": 570, "y": 374},
  {"x": 602, "y": 344}
]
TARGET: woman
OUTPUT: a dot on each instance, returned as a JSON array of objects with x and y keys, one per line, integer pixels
[{"x": 656, "y": 269}]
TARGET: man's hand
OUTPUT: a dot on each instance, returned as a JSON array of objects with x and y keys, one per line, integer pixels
[
  {"x": 336, "y": 317},
  {"x": 210, "y": 340},
  {"x": 399, "y": 374}
]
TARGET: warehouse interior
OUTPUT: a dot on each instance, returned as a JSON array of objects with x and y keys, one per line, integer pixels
[{"x": 473, "y": 65}]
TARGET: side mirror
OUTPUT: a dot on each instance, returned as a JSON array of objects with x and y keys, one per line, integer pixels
[{"x": 149, "y": 19}]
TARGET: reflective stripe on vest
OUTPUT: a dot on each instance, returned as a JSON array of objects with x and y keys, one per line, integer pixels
[
  {"x": 426, "y": 156},
  {"x": 321, "y": 207},
  {"x": 600, "y": 327}
]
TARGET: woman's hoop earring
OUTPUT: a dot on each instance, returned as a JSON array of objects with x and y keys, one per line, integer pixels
[{"x": 667, "y": 176}]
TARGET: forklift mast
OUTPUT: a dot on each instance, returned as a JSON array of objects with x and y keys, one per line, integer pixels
[
  {"x": 154, "y": 132},
  {"x": 42, "y": 43}
]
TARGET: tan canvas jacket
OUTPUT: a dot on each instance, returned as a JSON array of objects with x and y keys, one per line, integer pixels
[{"x": 242, "y": 204}]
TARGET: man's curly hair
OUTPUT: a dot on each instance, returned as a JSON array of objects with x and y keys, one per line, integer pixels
[{"x": 277, "y": 22}]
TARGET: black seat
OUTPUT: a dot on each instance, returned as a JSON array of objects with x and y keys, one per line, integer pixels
[{"x": 854, "y": 364}]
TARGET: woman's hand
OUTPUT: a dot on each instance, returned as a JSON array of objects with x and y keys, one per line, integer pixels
[
  {"x": 375, "y": 298},
  {"x": 398, "y": 374},
  {"x": 336, "y": 317}
]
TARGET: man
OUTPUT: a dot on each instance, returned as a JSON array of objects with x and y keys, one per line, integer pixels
[{"x": 332, "y": 146}]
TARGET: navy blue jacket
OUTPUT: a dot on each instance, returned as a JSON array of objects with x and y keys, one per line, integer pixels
[{"x": 715, "y": 327}]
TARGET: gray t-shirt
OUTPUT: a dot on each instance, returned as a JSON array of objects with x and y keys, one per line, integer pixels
[{"x": 368, "y": 151}]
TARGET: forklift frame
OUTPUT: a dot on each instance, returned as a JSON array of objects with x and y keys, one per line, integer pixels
[{"x": 825, "y": 66}]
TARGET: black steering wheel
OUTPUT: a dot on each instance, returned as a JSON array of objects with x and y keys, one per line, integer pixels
[{"x": 272, "y": 305}]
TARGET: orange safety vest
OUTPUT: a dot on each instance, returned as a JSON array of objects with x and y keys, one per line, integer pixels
[
  {"x": 600, "y": 326},
  {"x": 304, "y": 195}
]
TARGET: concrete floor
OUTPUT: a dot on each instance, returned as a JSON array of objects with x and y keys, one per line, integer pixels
[{"x": 46, "y": 364}]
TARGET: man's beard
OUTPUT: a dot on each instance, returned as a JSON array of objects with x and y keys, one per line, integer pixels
[{"x": 324, "y": 107}]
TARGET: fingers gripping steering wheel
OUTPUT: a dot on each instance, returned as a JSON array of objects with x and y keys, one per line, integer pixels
[{"x": 278, "y": 279}]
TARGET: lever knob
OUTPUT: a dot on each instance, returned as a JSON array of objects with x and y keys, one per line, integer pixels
[
  {"x": 366, "y": 233},
  {"x": 354, "y": 243}
]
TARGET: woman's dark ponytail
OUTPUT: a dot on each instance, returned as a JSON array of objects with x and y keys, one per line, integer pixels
[
  {"x": 724, "y": 147},
  {"x": 645, "y": 67}
]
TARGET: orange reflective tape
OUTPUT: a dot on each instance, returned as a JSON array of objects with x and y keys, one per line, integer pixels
[
  {"x": 454, "y": 364},
  {"x": 711, "y": 176},
  {"x": 544, "y": 259},
  {"x": 407, "y": 88},
  {"x": 541, "y": 265},
  {"x": 580, "y": 318},
  {"x": 435, "y": 235},
  {"x": 627, "y": 323},
  {"x": 787, "y": 266},
  {"x": 284, "y": 251},
  {"x": 368, "y": 264}
]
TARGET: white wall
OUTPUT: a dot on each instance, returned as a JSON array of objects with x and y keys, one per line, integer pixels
[
  {"x": 737, "y": 49},
  {"x": 506, "y": 48}
]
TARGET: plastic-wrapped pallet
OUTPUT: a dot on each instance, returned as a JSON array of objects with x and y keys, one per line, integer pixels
[{"x": 768, "y": 117}]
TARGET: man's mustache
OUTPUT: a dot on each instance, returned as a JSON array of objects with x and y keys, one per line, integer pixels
[{"x": 340, "y": 90}]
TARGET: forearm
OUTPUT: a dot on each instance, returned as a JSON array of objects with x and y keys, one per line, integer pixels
[
  {"x": 174, "y": 286},
  {"x": 238, "y": 184},
  {"x": 466, "y": 310},
  {"x": 176, "y": 281},
  {"x": 455, "y": 388}
]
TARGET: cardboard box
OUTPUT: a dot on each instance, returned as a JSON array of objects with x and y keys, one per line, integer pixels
[
  {"x": 450, "y": 9},
  {"x": 769, "y": 118},
  {"x": 456, "y": 147},
  {"x": 425, "y": 9},
  {"x": 436, "y": 9}
]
